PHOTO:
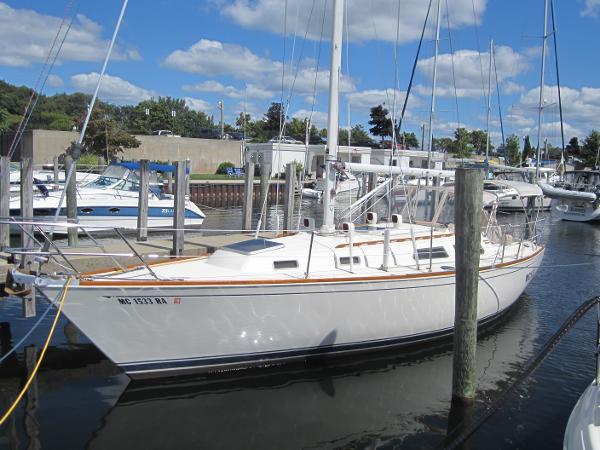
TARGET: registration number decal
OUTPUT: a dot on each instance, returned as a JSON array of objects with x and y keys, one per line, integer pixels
[{"x": 142, "y": 301}]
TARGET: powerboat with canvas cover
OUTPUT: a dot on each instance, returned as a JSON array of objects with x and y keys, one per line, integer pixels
[
  {"x": 111, "y": 201},
  {"x": 577, "y": 195}
]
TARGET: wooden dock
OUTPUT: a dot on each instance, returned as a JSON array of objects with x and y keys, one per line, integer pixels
[{"x": 231, "y": 192}]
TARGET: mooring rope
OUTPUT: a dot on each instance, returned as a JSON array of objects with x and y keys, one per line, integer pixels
[
  {"x": 42, "y": 354},
  {"x": 456, "y": 437}
]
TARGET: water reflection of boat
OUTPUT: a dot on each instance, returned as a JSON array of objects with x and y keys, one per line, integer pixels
[{"x": 381, "y": 398}]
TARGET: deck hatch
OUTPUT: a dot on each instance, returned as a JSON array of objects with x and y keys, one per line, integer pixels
[
  {"x": 433, "y": 252},
  {"x": 253, "y": 246}
]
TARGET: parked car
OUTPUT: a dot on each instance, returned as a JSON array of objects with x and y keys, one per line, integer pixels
[
  {"x": 234, "y": 135},
  {"x": 209, "y": 133},
  {"x": 285, "y": 140},
  {"x": 168, "y": 133}
]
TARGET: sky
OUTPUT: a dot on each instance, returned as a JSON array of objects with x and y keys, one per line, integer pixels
[{"x": 242, "y": 52}]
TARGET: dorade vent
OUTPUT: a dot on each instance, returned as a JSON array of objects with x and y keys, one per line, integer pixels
[
  {"x": 433, "y": 252},
  {"x": 345, "y": 260},
  {"x": 288, "y": 264}
]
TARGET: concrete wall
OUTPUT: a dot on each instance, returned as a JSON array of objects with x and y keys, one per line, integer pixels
[{"x": 204, "y": 154}]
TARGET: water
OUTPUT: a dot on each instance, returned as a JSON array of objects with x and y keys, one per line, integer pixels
[{"x": 384, "y": 400}]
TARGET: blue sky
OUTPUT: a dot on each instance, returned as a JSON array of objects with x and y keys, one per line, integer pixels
[{"x": 233, "y": 50}]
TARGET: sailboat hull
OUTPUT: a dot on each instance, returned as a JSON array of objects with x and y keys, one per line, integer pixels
[{"x": 162, "y": 330}]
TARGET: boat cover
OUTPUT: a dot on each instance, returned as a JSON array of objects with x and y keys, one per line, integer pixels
[{"x": 565, "y": 194}]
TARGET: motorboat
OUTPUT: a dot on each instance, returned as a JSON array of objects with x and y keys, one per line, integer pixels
[
  {"x": 576, "y": 196},
  {"x": 332, "y": 290},
  {"x": 345, "y": 183},
  {"x": 111, "y": 201},
  {"x": 45, "y": 177},
  {"x": 504, "y": 181}
]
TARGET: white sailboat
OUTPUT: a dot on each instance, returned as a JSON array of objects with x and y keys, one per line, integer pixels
[{"x": 266, "y": 301}]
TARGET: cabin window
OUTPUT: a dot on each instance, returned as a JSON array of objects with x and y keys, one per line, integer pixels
[
  {"x": 345, "y": 260},
  {"x": 289, "y": 264},
  {"x": 433, "y": 253}
]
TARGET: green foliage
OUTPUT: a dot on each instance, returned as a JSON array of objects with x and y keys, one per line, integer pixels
[
  {"x": 573, "y": 148},
  {"x": 409, "y": 140},
  {"x": 88, "y": 159},
  {"x": 381, "y": 124},
  {"x": 443, "y": 144},
  {"x": 273, "y": 119},
  {"x": 462, "y": 146},
  {"x": 527, "y": 149},
  {"x": 479, "y": 141},
  {"x": 222, "y": 169},
  {"x": 105, "y": 137},
  {"x": 513, "y": 147},
  {"x": 590, "y": 150}
]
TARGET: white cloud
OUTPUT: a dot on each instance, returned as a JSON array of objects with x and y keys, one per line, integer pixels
[
  {"x": 262, "y": 75},
  {"x": 591, "y": 8},
  {"x": 55, "y": 81},
  {"x": 213, "y": 58},
  {"x": 198, "y": 104},
  {"x": 27, "y": 36},
  {"x": 250, "y": 91},
  {"x": 318, "y": 118},
  {"x": 367, "y": 20},
  {"x": 471, "y": 71},
  {"x": 112, "y": 88},
  {"x": 510, "y": 87}
]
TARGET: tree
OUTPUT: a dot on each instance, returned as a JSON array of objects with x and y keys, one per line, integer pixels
[
  {"x": 444, "y": 144},
  {"x": 296, "y": 128},
  {"x": 513, "y": 147},
  {"x": 590, "y": 150},
  {"x": 527, "y": 149},
  {"x": 381, "y": 124},
  {"x": 572, "y": 148},
  {"x": 409, "y": 140},
  {"x": 104, "y": 137},
  {"x": 479, "y": 141},
  {"x": 273, "y": 119},
  {"x": 242, "y": 121},
  {"x": 360, "y": 137},
  {"x": 462, "y": 146}
]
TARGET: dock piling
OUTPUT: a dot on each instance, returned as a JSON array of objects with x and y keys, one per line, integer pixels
[
  {"x": 265, "y": 174},
  {"x": 290, "y": 188},
  {"x": 467, "y": 215},
  {"x": 142, "y": 219},
  {"x": 248, "y": 194},
  {"x": 71, "y": 200},
  {"x": 56, "y": 172},
  {"x": 26, "y": 207},
  {"x": 170, "y": 179},
  {"x": 179, "y": 209},
  {"x": 4, "y": 200}
]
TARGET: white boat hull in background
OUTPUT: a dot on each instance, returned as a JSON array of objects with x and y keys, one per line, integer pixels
[{"x": 583, "y": 427}]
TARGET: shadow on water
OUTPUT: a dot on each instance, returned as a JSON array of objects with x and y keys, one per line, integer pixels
[{"x": 387, "y": 398}]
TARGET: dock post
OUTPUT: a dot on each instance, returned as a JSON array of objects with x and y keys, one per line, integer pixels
[
  {"x": 265, "y": 172},
  {"x": 248, "y": 191},
  {"x": 71, "y": 200},
  {"x": 26, "y": 207},
  {"x": 32, "y": 428},
  {"x": 4, "y": 200},
  {"x": 142, "y": 219},
  {"x": 290, "y": 188},
  {"x": 170, "y": 179},
  {"x": 188, "y": 173},
  {"x": 179, "y": 210},
  {"x": 467, "y": 218},
  {"x": 372, "y": 185},
  {"x": 56, "y": 172}
]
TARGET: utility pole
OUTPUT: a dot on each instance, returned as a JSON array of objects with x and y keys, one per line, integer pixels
[{"x": 220, "y": 106}]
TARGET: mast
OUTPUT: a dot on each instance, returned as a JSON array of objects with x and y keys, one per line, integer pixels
[
  {"x": 541, "y": 102},
  {"x": 562, "y": 128},
  {"x": 489, "y": 103},
  {"x": 435, "y": 58},
  {"x": 333, "y": 116}
]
